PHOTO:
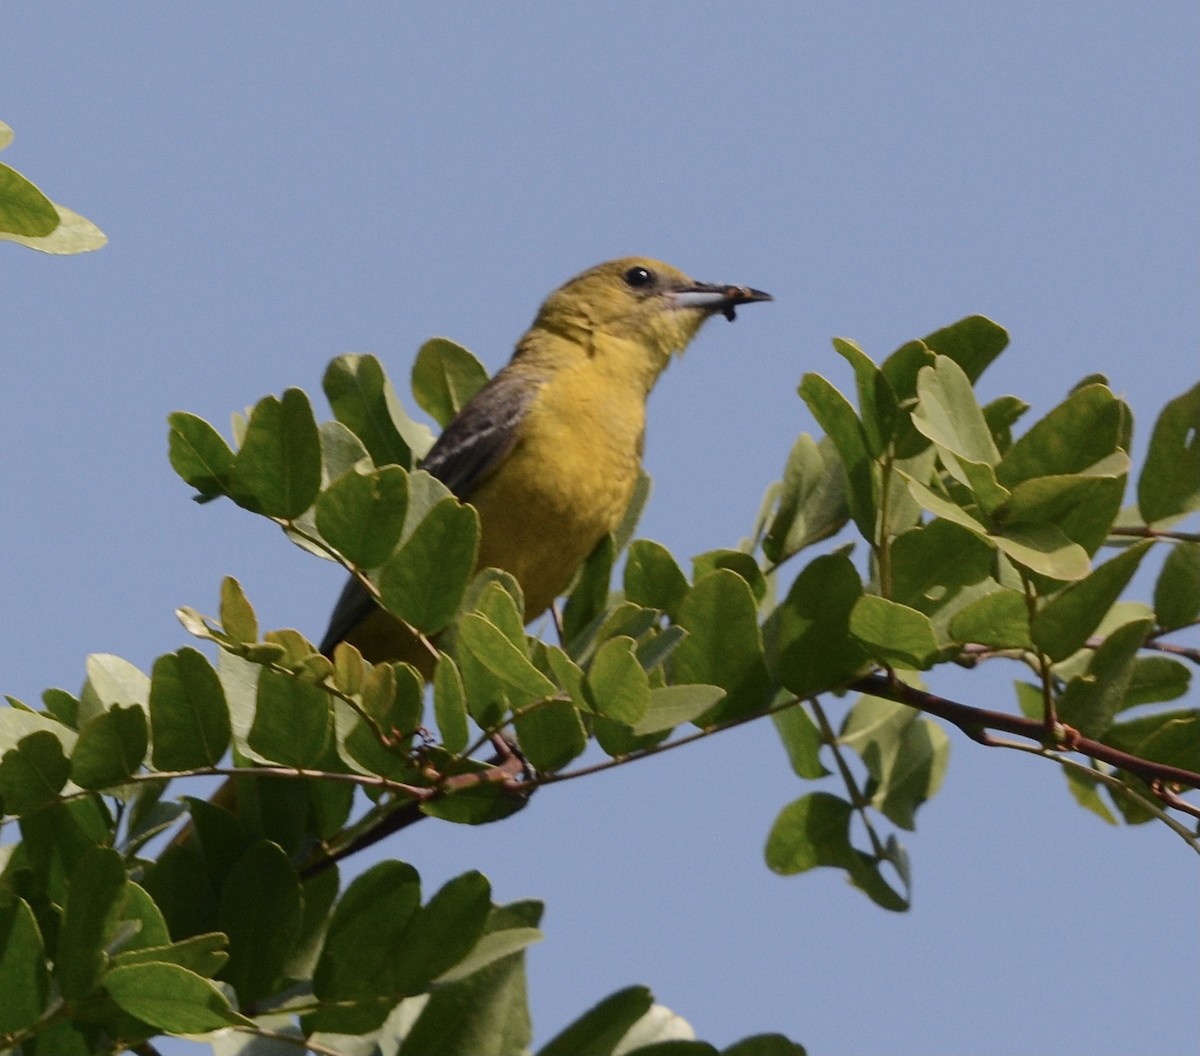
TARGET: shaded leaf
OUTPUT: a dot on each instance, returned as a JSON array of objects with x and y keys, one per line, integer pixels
[
  {"x": 1177, "y": 589},
  {"x": 111, "y": 747},
  {"x": 893, "y": 634},
  {"x": 837, "y": 417},
  {"x": 361, "y": 515},
  {"x": 199, "y": 454},
  {"x": 1170, "y": 481},
  {"x": 811, "y": 647},
  {"x": 260, "y": 910},
  {"x": 188, "y": 715},
  {"x": 33, "y": 772},
  {"x": 170, "y": 998},
  {"x": 724, "y": 645},
  {"x": 1071, "y": 616},
  {"x": 363, "y": 399},
  {"x": 277, "y": 470},
  {"x": 95, "y": 899},
  {"x": 424, "y": 581},
  {"x": 444, "y": 378}
]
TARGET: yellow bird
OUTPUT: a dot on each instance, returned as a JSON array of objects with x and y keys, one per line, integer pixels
[{"x": 548, "y": 451}]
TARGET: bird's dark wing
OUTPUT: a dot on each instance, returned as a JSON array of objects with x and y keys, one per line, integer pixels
[
  {"x": 475, "y": 442},
  {"x": 482, "y": 434}
]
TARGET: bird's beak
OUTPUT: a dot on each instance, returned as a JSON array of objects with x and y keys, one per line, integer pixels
[{"x": 714, "y": 298}]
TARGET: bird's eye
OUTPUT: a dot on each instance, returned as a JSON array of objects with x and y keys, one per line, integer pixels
[{"x": 639, "y": 277}]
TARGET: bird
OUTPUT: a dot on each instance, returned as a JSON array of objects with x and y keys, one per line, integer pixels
[{"x": 549, "y": 450}]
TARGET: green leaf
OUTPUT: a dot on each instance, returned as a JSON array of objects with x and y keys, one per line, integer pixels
[
  {"x": 738, "y": 562},
  {"x": 948, "y": 413},
  {"x": 199, "y": 454},
  {"x": 835, "y": 415},
  {"x": 1043, "y": 548},
  {"x": 236, "y": 615},
  {"x": 203, "y": 954},
  {"x": 499, "y": 655},
  {"x": 170, "y": 998},
  {"x": 277, "y": 471},
  {"x": 24, "y": 210},
  {"x": 361, "y": 514},
  {"x": 1081, "y": 431},
  {"x": 1177, "y": 590},
  {"x": 33, "y": 773},
  {"x": 292, "y": 720},
  {"x": 260, "y": 910},
  {"x": 449, "y": 705},
  {"x": 934, "y": 564},
  {"x": 617, "y": 686},
  {"x": 1082, "y": 506},
  {"x": 110, "y": 748},
  {"x": 478, "y": 804},
  {"x": 492, "y": 947},
  {"x": 812, "y": 499},
  {"x": 999, "y": 620},
  {"x": 443, "y": 932},
  {"x": 811, "y": 647},
  {"x": 74, "y": 234},
  {"x": 764, "y": 1045},
  {"x": 444, "y": 378},
  {"x": 485, "y": 1014},
  {"x": 1001, "y": 415},
  {"x": 893, "y": 634},
  {"x": 599, "y": 1030},
  {"x": 1172, "y": 738},
  {"x": 24, "y": 980},
  {"x": 972, "y": 343},
  {"x": 188, "y": 715},
  {"x": 802, "y": 741},
  {"x": 814, "y": 830},
  {"x": 424, "y": 581},
  {"x": 905, "y": 752},
  {"x": 95, "y": 898},
  {"x": 358, "y": 963},
  {"x": 1156, "y": 678},
  {"x": 363, "y": 399},
  {"x": 1085, "y": 791},
  {"x": 671, "y": 706},
  {"x": 1170, "y": 481},
  {"x": 652, "y": 577},
  {"x": 876, "y": 398},
  {"x": 341, "y": 451},
  {"x": 1090, "y": 701},
  {"x": 111, "y": 680},
  {"x": 1072, "y": 615},
  {"x": 589, "y": 597},
  {"x": 724, "y": 645},
  {"x": 550, "y": 733}
]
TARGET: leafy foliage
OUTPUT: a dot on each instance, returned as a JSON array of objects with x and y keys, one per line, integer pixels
[
  {"x": 979, "y": 544},
  {"x": 28, "y": 217}
]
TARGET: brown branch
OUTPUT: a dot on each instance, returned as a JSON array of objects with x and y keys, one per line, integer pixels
[
  {"x": 1146, "y": 532},
  {"x": 975, "y": 722}
]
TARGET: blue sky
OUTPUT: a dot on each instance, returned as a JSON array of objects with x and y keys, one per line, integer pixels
[{"x": 282, "y": 183}]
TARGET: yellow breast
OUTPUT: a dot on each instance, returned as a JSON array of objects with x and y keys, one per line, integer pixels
[{"x": 566, "y": 483}]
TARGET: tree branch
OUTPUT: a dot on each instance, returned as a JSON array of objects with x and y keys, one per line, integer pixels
[{"x": 975, "y": 722}]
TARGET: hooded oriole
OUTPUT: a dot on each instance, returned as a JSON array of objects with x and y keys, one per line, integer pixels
[{"x": 548, "y": 451}]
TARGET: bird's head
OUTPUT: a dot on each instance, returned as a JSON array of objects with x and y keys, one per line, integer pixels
[{"x": 641, "y": 301}]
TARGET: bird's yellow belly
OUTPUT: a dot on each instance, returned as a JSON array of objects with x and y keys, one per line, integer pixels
[{"x": 565, "y": 485}]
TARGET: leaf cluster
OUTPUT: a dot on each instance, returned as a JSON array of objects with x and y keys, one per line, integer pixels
[
  {"x": 29, "y": 218},
  {"x": 977, "y": 545}
]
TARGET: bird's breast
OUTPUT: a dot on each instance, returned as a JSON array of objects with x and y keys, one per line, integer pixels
[{"x": 566, "y": 483}]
